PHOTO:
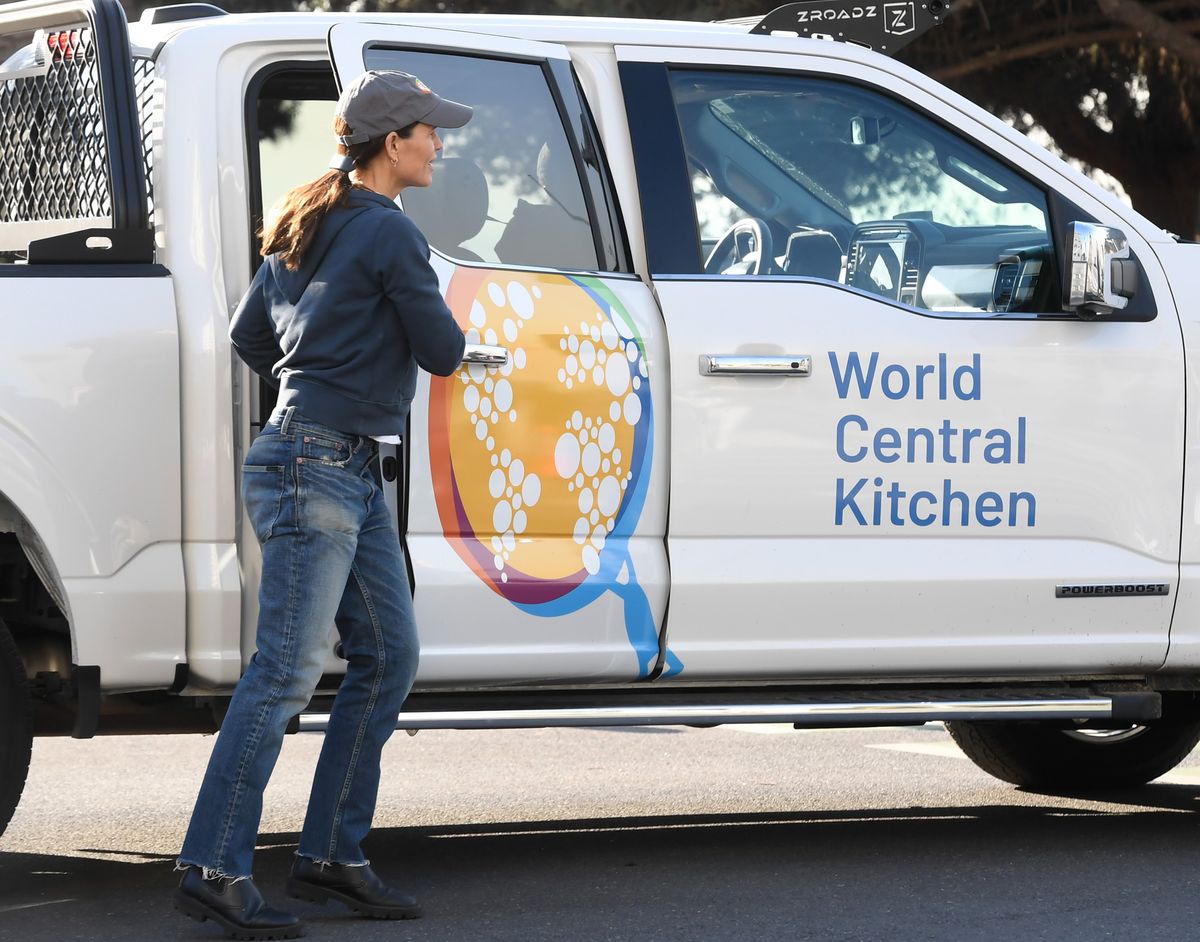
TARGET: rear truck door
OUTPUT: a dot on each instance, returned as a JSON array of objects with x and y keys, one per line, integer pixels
[
  {"x": 892, "y": 453},
  {"x": 533, "y": 493}
]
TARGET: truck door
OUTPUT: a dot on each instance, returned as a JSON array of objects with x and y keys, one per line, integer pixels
[
  {"x": 890, "y": 447},
  {"x": 535, "y": 512}
]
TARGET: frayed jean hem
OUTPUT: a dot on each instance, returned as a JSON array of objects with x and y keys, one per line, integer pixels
[
  {"x": 209, "y": 873},
  {"x": 322, "y": 863}
]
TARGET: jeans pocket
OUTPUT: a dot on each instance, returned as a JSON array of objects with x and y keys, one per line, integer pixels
[
  {"x": 262, "y": 492},
  {"x": 324, "y": 450}
]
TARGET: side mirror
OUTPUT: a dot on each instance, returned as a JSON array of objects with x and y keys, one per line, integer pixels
[{"x": 1102, "y": 276}]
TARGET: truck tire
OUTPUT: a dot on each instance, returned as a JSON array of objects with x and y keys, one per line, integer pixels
[
  {"x": 1049, "y": 758},
  {"x": 16, "y": 727}
]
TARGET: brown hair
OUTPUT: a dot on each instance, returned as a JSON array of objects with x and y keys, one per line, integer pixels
[{"x": 304, "y": 208}]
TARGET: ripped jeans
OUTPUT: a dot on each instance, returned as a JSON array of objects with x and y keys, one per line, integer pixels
[{"x": 330, "y": 553}]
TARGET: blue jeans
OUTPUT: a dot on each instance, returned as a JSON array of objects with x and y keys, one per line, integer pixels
[{"x": 330, "y": 553}]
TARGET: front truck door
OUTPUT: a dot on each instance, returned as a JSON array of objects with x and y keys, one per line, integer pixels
[
  {"x": 889, "y": 445},
  {"x": 536, "y": 507}
]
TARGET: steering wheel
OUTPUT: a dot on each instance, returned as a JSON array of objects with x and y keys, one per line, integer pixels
[{"x": 746, "y": 248}]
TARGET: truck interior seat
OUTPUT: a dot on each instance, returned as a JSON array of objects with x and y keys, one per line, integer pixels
[
  {"x": 453, "y": 208},
  {"x": 555, "y": 233}
]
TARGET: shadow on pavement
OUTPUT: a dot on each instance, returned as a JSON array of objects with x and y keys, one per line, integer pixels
[{"x": 990, "y": 872}]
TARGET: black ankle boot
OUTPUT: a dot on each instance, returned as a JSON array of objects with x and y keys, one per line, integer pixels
[
  {"x": 357, "y": 887},
  {"x": 235, "y": 905}
]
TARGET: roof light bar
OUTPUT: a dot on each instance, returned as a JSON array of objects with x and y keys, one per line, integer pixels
[{"x": 882, "y": 27}]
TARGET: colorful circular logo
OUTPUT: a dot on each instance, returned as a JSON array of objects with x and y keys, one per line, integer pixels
[{"x": 539, "y": 467}]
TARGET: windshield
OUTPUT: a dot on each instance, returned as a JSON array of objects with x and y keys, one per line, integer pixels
[{"x": 858, "y": 154}]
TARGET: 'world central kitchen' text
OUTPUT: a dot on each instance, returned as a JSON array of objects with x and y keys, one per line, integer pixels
[{"x": 873, "y": 501}]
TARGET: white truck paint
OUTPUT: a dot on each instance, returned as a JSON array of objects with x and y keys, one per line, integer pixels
[{"x": 601, "y": 528}]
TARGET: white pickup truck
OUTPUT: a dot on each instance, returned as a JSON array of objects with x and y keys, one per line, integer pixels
[{"x": 826, "y": 397}]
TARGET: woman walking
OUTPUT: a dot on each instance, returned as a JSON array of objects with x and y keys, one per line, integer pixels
[{"x": 338, "y": 317}]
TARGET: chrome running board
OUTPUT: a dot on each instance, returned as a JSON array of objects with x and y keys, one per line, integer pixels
[{"x": 815, "y": 714}]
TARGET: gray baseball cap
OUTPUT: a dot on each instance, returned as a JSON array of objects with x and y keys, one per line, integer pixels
[{"x": 382, "y": 101}]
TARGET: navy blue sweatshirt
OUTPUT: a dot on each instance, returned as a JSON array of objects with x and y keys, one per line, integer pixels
[{"x": 342, "y": 336}]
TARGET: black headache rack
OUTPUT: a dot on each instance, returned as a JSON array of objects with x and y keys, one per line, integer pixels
[
  {"x": 883, "y": 27},
  {"x": 73, "y": 184}
]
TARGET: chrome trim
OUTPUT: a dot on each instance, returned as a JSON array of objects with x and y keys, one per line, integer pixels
[
  {"x": 485, "y": 354},
  {"x": 1095, "y": 253},
  {"x": 802, "y": 714},
  {"x": 781, "y": 365},
  {"x": 1104, "y": 737}
]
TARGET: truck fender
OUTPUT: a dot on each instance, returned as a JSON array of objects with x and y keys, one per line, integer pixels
[{"x": 12, "y": 520}]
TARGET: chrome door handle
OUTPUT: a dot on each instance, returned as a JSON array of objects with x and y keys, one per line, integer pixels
[
  {"x": 780, "y": 365},
  {"x": 485, "y": 354}
]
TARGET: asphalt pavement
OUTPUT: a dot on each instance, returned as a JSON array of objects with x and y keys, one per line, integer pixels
[{"x": 734, "y": 833}]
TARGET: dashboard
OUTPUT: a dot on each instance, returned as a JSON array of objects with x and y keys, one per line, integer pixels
[{"x": 982, "y": 270}]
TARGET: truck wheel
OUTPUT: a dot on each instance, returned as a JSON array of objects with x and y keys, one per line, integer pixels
[
  {"x": 1050, "y": 758},
  {"x": 16, "y": 726}
]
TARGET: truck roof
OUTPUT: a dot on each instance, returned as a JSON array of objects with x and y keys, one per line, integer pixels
[{"x": 568, "y": 30}]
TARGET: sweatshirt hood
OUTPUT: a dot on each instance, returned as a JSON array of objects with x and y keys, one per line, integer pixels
[{"x": 294, "y": 283}]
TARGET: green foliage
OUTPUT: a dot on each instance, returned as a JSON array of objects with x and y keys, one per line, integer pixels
[{"x": 1110, "y": 95}]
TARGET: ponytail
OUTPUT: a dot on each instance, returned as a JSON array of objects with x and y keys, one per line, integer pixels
[{"x": 300, "y": 215}]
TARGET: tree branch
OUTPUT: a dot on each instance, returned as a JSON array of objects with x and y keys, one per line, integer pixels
[
  {"x": 1154, "y": 28},
  {"x": 1056, "y": 44}
]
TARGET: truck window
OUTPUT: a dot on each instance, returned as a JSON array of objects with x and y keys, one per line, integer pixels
[
  {"x": 840, "y": 183},
  {"x": 293, "y": 110},
  {"x": 506, "y": 190}
]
